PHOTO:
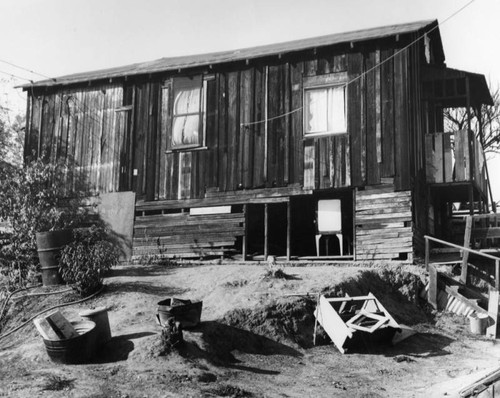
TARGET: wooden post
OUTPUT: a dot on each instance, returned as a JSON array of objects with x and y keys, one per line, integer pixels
[
  {"x": 465, "y": 254},
  {"x": 491, "y": 331},
  {"x": 497, "y": 274},
  {"x": 266, "y": 231},
  {"x": 244, "y": 241},
  {"x": 288, "y": 229},
  {"x": 427, "y": 253},
  {"x": 316, "y": 319},
  {"x": 469, "y": 133},
  {"x": 433, "y": 287}
]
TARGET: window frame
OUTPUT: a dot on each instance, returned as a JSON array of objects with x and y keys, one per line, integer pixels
[
  {"x": 324, "y": 82},
  {"x": 169, "y": 119}
]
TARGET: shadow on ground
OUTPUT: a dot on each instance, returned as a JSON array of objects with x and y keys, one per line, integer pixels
[
  {"x": 143, "y": 287},
  {"x": 422, "y": 345},
  {"x": 215, "y": 342},
  {"x": 118, "y": 348},
  {"x": 140, "y": 270}
]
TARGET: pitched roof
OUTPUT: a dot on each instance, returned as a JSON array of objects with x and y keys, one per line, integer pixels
[{"x": 191, "y": 61}]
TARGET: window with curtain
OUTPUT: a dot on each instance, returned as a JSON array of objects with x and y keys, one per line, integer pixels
[
  {"x": 187, "y": 112},
  {"x": 325, "y": 110}
]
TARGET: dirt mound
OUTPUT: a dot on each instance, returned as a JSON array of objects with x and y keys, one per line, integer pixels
[
  {"x": 288, "y": 320},
  {"x": 291, "y": 320}
]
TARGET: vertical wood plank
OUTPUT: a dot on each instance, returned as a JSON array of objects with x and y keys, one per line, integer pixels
[
  {"x": 164, "y": 126},
  {"x": 296, "y": 141},
  {"x": 378, "y": 110},
  {"x": 287, "y": 125},
  {"x": 246, "y": 116},
  {"x": 402, "y": 178},
  {"x": 371, "y": 166},
  {"x": 223, "y": 139},
  {"x": 387, "y": 100},
  {"x": 212, "y": 172},
  {"x": 259, "y": 128},
  {"x": 234, "y": 131},
  {"x": 355, "y": 67},
  {"x": 309, "y": 164}
]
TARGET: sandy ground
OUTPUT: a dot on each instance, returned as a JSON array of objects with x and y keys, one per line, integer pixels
[{"x": 441, "y": 358}]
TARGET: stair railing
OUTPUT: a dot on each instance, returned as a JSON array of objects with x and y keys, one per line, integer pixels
[{"x": 465, "y": 249}]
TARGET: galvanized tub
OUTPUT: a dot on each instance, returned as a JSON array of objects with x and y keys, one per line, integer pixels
[{"x": 76, "y": 350}]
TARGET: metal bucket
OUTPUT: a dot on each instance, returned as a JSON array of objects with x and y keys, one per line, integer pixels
[
  {"x": 185, "y": 312},
  {"x": 49, "y": 245},
  {"x": 478, "y": 323},
  {"x": 78, "y": 349},
  {"x": 100, "y": 317}
]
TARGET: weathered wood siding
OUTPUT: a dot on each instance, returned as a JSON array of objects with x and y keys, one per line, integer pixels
[
  {"x": 383, "y": 221},
  {"x": 130, "y": 149},
  {"x": 185, "y": 235},
  {"x": 82, "y": 127}
]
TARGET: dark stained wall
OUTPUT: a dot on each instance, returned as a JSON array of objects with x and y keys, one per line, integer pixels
[{"x": 120, "y": 136}]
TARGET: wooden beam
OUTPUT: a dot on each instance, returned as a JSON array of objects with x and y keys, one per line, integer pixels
[
  {"x": 465, "y": 254},
  {"x": 433, "y": 289}
]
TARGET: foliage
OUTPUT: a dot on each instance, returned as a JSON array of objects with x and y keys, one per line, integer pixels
[
  {"x": 85, "y": 260},
  {"x": 488, "y": 116},
  {"x": 11, "y": 138},
  {"x": 58, "y": 383},
  {"x": 33, "y": 199}
]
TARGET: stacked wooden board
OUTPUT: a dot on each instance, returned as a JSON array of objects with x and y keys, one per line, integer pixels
[
  {"x": 383, "y": 222},
  {"x": 185, "y": 235}
]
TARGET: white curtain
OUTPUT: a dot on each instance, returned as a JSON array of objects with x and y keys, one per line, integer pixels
[
  {"x": 337, "y": 117},
  {"x": 186, "y": 116},
  {"x": 325, "y": 110},
  {"x": 317, "y": 106}
]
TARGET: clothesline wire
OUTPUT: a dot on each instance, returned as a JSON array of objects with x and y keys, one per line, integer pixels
[{"x": 373, "y": 68}]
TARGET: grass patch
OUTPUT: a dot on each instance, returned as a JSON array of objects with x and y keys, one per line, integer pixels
[{"x": 58, "y": 383}]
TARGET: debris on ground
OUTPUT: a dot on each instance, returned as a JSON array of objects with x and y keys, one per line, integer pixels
[
  {"x": 352, "y": 321},
  {"x": 403, "y": 358},
  {"x": 171, "y": 337}
]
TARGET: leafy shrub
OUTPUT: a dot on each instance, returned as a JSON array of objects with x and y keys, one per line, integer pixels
[
  {"x": 85, "y": 260},
  {"x": 34, "y": 198}
]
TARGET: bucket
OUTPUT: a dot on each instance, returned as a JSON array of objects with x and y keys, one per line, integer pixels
[
  {"x": 100, "y": 317},
  {"x": 185, "y": 312},
  {"x": 478, "y": 323},
  {"x": 49, "y": 245},
  {"x": 78, "y": 349}
]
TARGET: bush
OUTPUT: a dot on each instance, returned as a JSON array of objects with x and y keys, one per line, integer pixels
[
  {"x": 33, "y": 199},
  {"x": 85, "y": 260}
]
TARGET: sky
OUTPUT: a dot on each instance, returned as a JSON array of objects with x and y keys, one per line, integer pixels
[{"x": 58, "y": 37}]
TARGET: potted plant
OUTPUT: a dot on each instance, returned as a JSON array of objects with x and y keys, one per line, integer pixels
[{"x": 87, "y": 258}]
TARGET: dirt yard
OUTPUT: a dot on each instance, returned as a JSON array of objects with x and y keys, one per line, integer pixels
[{"x": 255, "y": 339}]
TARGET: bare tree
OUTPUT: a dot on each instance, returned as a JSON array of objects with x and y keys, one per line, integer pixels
[{"x": 488, "y": 117}]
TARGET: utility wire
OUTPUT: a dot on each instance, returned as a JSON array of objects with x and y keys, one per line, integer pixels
[
  {"x": 378, "y": 65},
  {"x": 16, "y": 76},
  {"x": 27, "y": 70}
]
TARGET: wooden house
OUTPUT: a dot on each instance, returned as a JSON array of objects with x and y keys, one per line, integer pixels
[{"x": 328, "y": 146}]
